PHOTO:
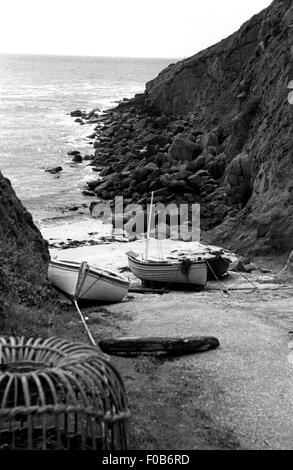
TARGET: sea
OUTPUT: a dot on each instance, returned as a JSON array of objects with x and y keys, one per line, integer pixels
[{"x": 37, "y": 94}]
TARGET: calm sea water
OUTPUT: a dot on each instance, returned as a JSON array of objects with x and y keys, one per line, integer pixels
[{"x": 36, "y": 132}]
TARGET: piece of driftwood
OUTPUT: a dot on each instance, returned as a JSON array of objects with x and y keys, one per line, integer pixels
[{"x": 171, "y": 346}]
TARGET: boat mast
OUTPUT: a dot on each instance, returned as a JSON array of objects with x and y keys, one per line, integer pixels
[{"x": 149, "y": 228}]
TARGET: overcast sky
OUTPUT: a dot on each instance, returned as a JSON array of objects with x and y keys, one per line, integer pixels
[{"x": 126, "y": 28}]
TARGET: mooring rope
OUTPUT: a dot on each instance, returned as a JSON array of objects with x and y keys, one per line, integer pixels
[
  {"x": 244, "y": 277},
  {"x": 218, "y": 280},
  {"x": 85, "y": 325}
]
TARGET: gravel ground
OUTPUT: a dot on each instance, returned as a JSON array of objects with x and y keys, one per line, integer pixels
[{"x": 239, "y": 396}]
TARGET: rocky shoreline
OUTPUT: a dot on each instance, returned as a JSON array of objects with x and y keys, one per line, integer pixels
[{"x": 138, "y": 151}]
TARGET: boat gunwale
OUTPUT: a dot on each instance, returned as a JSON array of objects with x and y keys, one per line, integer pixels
[
  {"x": 108, "y": 277},
  {"x": 163, "y": 263}
]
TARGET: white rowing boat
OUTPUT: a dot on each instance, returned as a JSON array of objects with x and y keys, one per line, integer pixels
[
  {"x": 87, "y": 282},
  {"x": 170, "y": 272}
]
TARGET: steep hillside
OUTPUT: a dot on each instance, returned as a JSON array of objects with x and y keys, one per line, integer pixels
[
  {"x": 23, "y": 258},
  {"x": 238, "y": 88}
]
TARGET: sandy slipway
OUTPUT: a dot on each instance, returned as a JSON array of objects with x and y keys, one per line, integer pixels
[{"x": 239, "y": 396}]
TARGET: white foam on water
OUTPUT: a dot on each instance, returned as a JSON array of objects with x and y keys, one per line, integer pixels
[{"x": 36, "y": 95}]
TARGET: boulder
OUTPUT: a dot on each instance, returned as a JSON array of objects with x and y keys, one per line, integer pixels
[
  {"x": 166, "y": 179},
  {"x": 176, "y": 127},
  {"x": 179, "y": 186},
  {"x": 182, "y": 149},
  {"x": 244, "y": 266},
  {"x": 122, "y": 133},
  {"x": 72, "y": 153},
  {"x": 54, "y": 170},
  {"x": 196, "y": 165},
  {"x": 209, "y": 139},
  {"x": 141, "y": 124},
  {"x": 110, "y": 131},
  {"x": 88, "y": 193},
  {"x": 140, "y": 174},
  {"x": 182, "y": 174},
  {"x": 102, "y": 186},
  {"x": 162, "y": 122},
  {"x": 77, "y": 159},
  {"x": 217, "y": 166},
  {"x": 156, "y": 139},
  {"x": 93, "y": 184},
  {"x": 150, "y": 167},
  {"x": 106, "y": 171},
  {"x": 196, "y": 132},
  {"x": 94, "y": 112},
  {"x": 77, "y": 113}
]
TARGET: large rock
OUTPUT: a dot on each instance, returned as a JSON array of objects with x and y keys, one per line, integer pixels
[
  {"x": 77, "y": 113},
  {"x": 217, "y": 166},
  {"x": 140, "y": 124},
  {"x": 182, "y": 149},
  {"x": 196, "y": 165},
  {"x": 156, "y": 139},
  {"x": 54, "y": 170},
  {"x": 209, "y": 140},
  {"x": 162, "y": 122},
  {"x": 77, "y": 159}
]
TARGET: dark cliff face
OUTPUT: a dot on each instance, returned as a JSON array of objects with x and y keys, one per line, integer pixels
[
  {"x": 239, "y": 89},
  {"x": 23, "y": 252}
]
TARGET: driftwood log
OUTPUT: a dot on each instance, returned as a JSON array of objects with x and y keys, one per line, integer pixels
[{"x": 174, "y": 346}]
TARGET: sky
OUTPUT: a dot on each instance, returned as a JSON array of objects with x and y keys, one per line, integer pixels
[{"x": 120, "y": 28}]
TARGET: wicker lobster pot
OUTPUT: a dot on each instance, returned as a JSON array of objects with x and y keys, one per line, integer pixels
[{"x": 55, "y": 394}]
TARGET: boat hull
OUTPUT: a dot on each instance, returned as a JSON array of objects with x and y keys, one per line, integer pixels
[
  {"x": 217, "y": 267},
  {"x": 169, "y": 273},
  {"x": 99, "y": 285}
]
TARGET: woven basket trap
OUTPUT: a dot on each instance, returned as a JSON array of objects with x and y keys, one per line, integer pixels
[{"x": 55, "y": 394}]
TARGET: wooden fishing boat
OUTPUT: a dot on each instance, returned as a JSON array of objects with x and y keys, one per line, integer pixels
[
  {"x": 87, "y": 282},
  {"x": 169, "y": 272}
]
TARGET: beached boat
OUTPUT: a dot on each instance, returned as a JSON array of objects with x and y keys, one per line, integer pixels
[
  {"x": 87, "y": 282},
  {"x": 185, "y": 271},
  {"x": 167, "y": 271}
]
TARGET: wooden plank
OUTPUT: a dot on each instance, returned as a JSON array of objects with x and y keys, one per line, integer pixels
[{"x": 172, "y": 346}]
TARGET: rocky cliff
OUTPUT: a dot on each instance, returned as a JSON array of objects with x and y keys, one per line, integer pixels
[
  {"x": 238, "y": 88},
  {"x": 23, "y": 255},
  {"x": 215, "y": 129}
]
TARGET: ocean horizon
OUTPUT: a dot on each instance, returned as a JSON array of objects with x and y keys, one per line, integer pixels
[{"x": 32, "y": 54}]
